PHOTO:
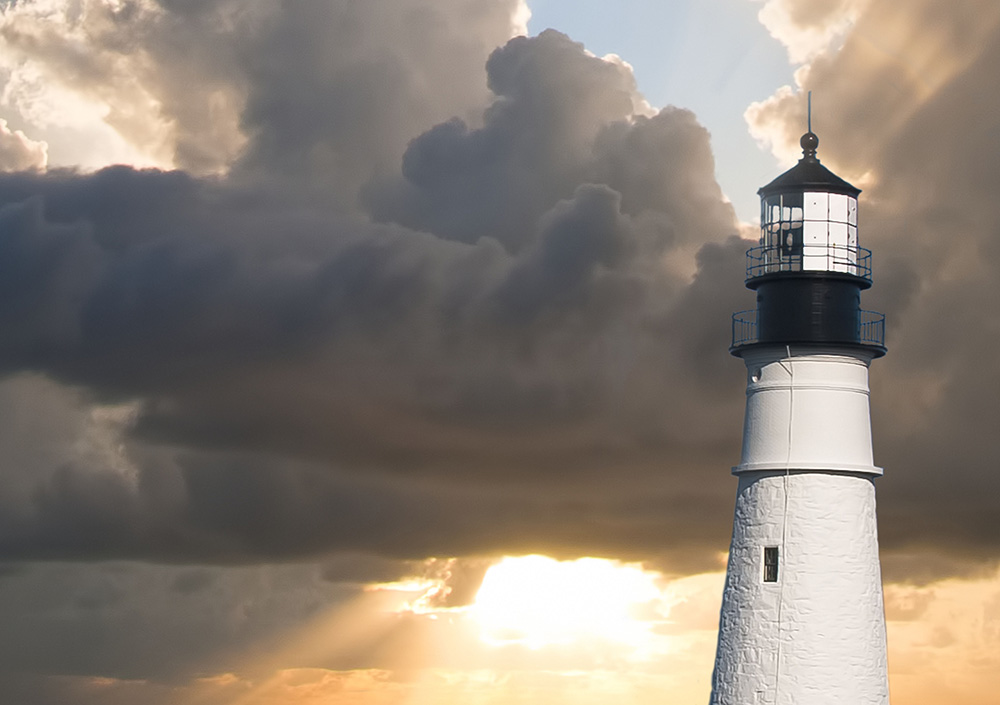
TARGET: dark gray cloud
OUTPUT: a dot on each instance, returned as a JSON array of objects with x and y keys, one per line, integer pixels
[
  {"x": 561, "y": 117},
  {"x": 126, "y": 620},
  {"x": 294, "y": 379},
  {"x": 336, "y": 90}
]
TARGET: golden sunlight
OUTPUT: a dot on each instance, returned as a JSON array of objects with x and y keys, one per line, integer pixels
[{"x": 537, "y": 601}]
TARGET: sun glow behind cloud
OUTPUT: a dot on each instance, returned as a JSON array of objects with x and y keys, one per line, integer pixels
[
  {"x": 588, "y": 605},
  {"x": 537, "y": 601},
  {"x": 586, "y": 631}
]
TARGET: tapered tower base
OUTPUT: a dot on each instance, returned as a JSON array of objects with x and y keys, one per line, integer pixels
[
  {"x": 816, "y": 635},
  {"x": 802, "y": 619}
]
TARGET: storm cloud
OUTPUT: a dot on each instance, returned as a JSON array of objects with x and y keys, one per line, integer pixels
[
  {"x": 496, "y": 348},
  {"x": 448, "y": 292}
]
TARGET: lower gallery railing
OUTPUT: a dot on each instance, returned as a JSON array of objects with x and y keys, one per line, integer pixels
[{"x": 871, "y": 328}]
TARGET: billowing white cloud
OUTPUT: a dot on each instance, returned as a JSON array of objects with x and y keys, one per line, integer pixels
[
  {"x": 809, "y": 27},
  {"x": 169, "y": 84},
  {"x": 77, "y": 67},
  {"x": 18, "y": 152}
]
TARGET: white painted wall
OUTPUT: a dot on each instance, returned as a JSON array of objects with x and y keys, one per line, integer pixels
[
  {"x": 817, "y": 636},
  {"x": 824, "y": 394}
]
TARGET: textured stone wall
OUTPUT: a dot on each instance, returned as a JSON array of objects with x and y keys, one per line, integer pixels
[{"x": 816, "y": 636}]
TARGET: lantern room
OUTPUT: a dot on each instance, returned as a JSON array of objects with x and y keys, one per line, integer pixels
[
  {"x": 809, "y": 222},
  {"x": 808, "y": 269}
]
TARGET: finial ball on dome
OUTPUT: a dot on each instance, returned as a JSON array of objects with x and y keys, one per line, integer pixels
[{"x": 809, "y": 143}]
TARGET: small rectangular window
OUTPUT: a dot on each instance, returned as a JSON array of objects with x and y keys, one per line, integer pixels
[{"x": 771, "y": 564}]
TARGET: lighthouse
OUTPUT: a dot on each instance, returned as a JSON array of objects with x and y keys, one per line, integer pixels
[{"x": 802, "y": 619}]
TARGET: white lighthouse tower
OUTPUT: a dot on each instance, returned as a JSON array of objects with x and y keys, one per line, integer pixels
[{"x": 802, "y": 620}]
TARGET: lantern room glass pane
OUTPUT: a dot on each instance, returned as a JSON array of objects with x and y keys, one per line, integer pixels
[
  {"x": 773, "y": 220},
  {"x": 814, "y": 232},
  {"x": 852, "y": 210},
  {"x": 781, "y": 225},
  {"x": 816, "y": 206},
  {"x": 838, "y": 207},
  {"x": 791, "y": 224},
  {"x": 838, "y": 235},
  {"x": 791, "y": 242}
]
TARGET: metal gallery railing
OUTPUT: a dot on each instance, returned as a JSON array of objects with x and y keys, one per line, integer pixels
[
  {"x": 744, "y": 328},
  {"x": 771, "y": 259},
  {"x": 871, "y": 328}
]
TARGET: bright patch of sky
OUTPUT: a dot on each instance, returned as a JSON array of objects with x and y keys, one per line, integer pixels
[{"x": 710, "y": 56}]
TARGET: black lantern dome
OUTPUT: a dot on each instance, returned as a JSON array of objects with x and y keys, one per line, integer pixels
[
  {"x": 808, "y": 269},
  {"x": 809, "y": 174}
]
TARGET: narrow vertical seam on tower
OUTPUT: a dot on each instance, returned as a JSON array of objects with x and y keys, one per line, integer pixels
[{"x": 784, "y": 519}]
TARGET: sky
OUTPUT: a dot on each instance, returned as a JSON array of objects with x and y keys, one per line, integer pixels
[
  {"x": 738, "y": 62},
  {"x": 350, "y": 352}
]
